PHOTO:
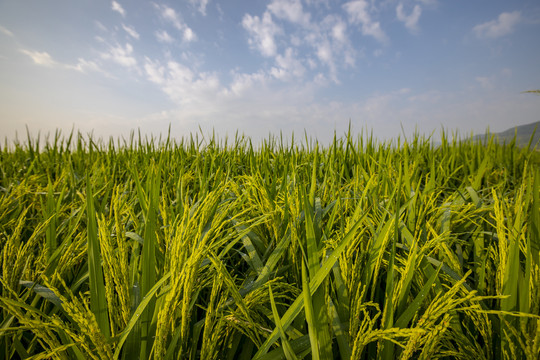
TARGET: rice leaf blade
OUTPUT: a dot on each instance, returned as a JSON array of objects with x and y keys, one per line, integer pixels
[{"x": 98, "y": 302}]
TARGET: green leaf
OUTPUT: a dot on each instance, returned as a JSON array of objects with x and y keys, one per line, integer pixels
[
  {"x": 287, "y": 349},
  {"x": 319, "y": 311},
  {"x": 314, "y": 284},
  {"x": 414, "y": 306},
  {"x": 136, "y": 317},
  {"x": 310, "y": 316},
  {"x": 42, "y": 291},
  {"x": 98, "y": 302},
  {"x": 148, "y": 260}
]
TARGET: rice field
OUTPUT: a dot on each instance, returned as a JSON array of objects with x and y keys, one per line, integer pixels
[{"x": 200, "y": 248}]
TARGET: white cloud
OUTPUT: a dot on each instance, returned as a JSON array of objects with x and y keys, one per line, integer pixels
[
  {"x": 331, "y": 44},
  {"x": 170, "y": 15},
  {"x": 319, "y": 3},
  {"x": 503, "y": 25},
  {"x": 189, "y": 35},
  {"x": 339, "y": 31},
  {"x": 253, "y": 103},
  {"x": 288, "y": 67},
  {"x": 5, "y": 31},
  {"x": 180, "y": 83},
  {"x": 410, "y": 21},
  {"x": 164, "y": 37},
  {"x": 118, "y": 8},
  {"x": 359, "y": 14},
  {"x": 262, "y": 32},
  {"x": 242, "y": 83},
  {"x": 155, "y": 72},
  {"x": 202, "y": 4},
  {"x": 290, "y": 10},
  {"x": 100, "y": 26},
  {"x": 326, "y": 40},
  {"x": 324, "y": 52},
  {"x": 429, "y": 97},
  {"x": 131, "y": 31},
  {"x": 485, "y": 82},
  {"x": 122, "y": 56},
  {"x": 86, "y": 66},
  {"x": 40, "y": 58},
  {"x": 341, "y": 46},
  {"x": 507, "y": 72},
  {"x": 82, "y": 66}
]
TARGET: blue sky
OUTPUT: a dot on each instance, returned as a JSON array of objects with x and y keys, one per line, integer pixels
[{"x": 262, "y": 67}]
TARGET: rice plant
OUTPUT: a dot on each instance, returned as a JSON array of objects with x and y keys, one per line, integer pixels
[{"x": 201, "y": 248}]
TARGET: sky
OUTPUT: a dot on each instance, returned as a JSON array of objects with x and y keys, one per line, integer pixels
[{"x": 308, "y": 67}]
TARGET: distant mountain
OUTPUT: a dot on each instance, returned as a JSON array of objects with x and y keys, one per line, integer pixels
[{"x": 522, "y": 133}]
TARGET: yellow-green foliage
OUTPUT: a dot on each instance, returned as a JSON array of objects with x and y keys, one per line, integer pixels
[{"x": 189, "y": 249}]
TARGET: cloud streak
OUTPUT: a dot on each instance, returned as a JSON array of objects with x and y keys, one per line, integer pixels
[
  {"x": 499, "y": 27},
  {"x": 121, "y": 55},
  {"x": 171, "y": 16},
  {"x": 40, "y": 58},
  {"x": 163, "y": 37},
  {"x": 290, "y": 10},
  {"x": 358, "y": 12},
  {"x": 5, "y": 31},
  {"x": 43, "y": 58},
  {"x": 411, "y": 20},
  {"x": 262, "y": 33},
  {"x": 288, "y": 66},
  {"x": 180, "y": 83},
  {"x": 131, "y": 31},
  {"x": 115, "y": 6},
  {"x": 306, "y": 47},
  {"x": 201, "y": 5}
]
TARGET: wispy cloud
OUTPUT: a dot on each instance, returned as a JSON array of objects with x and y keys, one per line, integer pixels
[
  {"x": 39, "y": 58},
  {"x": 170, "y": 15},
  {"x": 201, "y": 5},
  {"x": 122, "y": 56},
  {"x": 155, "y": 72},
  {"x": 339, "y": 31},
  {"x": 262, "y": 33},
  {"x": 5, "y": 31},
  {"x": 411, "y": 20},
  {"x": 82, "y": 65},
  {"x": 86, "y": 66},
  {"x": 189, "y": 35},
  {"x": 325, "y": 55},
  {"x": 100, "y": 26},
  {"x": 131, "y": 31},
  {"x": 501, "y": 26},
  {"x": 290, "y": 10},
  {"x": 115, "y": 6},
  {"x": 288, "y": 66},
  {"x": 358, "y": 11},
  {"x": 163, "y": 37},
  {"x": 485, "y": 82},
  {"x": 334, "y": 35},
  {"x": 242, "y": 83},
  {"x": 307, "y": 44},
  {"x": 180, "y": 83}
]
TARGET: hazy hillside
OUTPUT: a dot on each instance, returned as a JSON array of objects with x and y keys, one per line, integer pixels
[{"x": 523, "y": 134}]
